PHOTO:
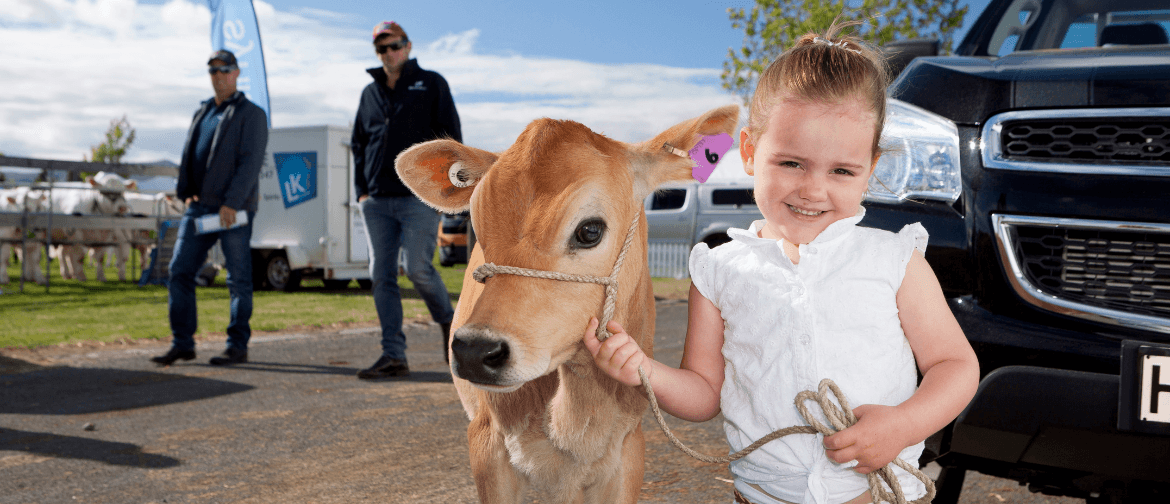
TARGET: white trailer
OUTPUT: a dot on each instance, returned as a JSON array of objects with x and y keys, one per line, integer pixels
[{"x": 308, "y": 223}]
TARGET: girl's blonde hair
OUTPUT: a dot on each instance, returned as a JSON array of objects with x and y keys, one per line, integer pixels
[{"x": 827, "y": 68}]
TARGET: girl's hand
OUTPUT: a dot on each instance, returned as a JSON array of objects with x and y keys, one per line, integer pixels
[
  {"x": 878, "y": 437},
  {"x": 619, "y": 356}
]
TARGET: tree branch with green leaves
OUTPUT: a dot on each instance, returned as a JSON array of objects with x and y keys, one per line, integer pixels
[
  {"x": 771, "y": 26},
  {"x": 119, "y": 137}
]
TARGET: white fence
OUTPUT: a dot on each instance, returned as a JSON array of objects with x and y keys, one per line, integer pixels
[{"x": 668, "y": 259}]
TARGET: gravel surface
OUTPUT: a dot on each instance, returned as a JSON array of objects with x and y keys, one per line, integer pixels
[{"x": 101, "y": 424}]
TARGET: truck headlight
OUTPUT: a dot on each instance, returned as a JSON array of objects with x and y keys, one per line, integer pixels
[{"x": 921, "y": 159}]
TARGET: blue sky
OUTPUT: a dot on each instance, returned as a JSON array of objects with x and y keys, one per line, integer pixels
[
  {"x": 625, "y": 68},
  {"x": 683, "y": 33}
]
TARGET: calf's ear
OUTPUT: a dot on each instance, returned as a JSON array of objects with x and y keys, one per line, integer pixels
[
  {"x": 658, "y": 166},
  {"x": 443, "y": 173}
]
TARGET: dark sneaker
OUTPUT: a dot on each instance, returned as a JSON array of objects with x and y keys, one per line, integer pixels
[
  {"x": 385, "y": 368},
  {"x": 173, "y": 355},
  {"x": 229, "y": 357}
]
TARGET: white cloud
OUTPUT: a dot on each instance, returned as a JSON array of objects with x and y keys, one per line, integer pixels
[{"x": 85, "y": 62}]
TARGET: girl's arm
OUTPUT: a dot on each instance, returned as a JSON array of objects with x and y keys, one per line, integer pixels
[
  {"x": 950, "y": 375},
  {"x": 690, "y": 392}
]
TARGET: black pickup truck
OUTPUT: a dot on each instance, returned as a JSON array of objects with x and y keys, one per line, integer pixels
[{"x": 1038, "y": 158}]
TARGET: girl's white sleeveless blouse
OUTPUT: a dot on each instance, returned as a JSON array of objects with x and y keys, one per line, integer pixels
[{"x": 787, "y": 326}]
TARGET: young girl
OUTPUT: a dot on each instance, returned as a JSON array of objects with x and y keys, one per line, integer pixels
[{"x": 807, "y": 294}]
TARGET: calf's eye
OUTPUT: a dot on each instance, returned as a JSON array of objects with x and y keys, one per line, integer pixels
[{"x": 588, "y": 234}]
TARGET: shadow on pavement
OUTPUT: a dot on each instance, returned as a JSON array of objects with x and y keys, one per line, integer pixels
[
  {"x": 58, "y": 446},
  {"x": 430, "y": 377},
  {"x": 8, "y": 365},
  {"x": 76, "y": 391},
  {"x": 418, "y": 377},
  {"x": 280, "y": 367}
]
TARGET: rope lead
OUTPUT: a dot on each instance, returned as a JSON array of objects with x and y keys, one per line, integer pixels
[{"x": 840, "y": 417}]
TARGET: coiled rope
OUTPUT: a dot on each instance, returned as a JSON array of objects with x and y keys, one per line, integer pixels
[{"x": 840, "y": 416}]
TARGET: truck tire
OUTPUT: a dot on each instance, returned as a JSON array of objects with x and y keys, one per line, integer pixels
[
  {"x": 279, "y": 275},
  {"x": 716, "y": 240},
  {"x": 949, "y": 485}
]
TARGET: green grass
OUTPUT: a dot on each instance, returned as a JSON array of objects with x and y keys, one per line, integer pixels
[{"x": 72, "y": 311}]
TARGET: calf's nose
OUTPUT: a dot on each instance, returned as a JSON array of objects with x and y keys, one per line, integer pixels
[{"x": 479, "y": 360}]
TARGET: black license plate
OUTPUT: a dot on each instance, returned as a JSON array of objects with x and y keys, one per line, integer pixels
[{"x": 1144, "y": 399}]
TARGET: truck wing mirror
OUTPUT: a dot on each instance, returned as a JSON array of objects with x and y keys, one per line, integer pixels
[{"x": 900, "y": 52}]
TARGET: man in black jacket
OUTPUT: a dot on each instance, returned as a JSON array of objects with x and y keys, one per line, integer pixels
[
  {"x": 219, "y": 176},
  {"x": 403, "y": 106}
]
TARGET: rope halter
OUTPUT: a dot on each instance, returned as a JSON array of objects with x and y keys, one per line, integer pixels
[{"x": 488, "y": 270}]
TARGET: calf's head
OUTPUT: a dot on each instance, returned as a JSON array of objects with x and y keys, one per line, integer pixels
[
  {"x": 109, "y": 198},
  {"x": 561, "y": 199}
]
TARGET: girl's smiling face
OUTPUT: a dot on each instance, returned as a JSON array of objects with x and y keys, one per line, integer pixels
[{"x": 812, "y": 165}]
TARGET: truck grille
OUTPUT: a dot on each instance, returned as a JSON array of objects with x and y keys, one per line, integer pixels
[
  {"x": 1122, "y": 269},
  {"x": 1106, "y": 141},
  {"x": 1131, "y": 140}
]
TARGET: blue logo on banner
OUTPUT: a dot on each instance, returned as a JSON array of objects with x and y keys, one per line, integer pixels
[{"x": 297, "y": 174}]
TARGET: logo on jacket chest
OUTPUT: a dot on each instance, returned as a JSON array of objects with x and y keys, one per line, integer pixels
[{"x": 417, "y": 86}]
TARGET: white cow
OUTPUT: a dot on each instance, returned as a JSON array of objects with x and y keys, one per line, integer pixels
[
  {"x": 16, "y": 201},
  {"x": 84, "y": 198},
  {"x": 145, "y": 205},
  {"x": 140, "y": 205}
]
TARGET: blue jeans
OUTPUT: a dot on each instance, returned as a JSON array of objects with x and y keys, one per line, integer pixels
[
  {"x": 189, "y": 256},
  {"x": 403, "y": 222}
]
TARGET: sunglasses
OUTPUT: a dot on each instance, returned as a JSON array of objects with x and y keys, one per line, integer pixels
[
  {"x": 394, "y": 46},
  {"x": 221, "y": 69}
]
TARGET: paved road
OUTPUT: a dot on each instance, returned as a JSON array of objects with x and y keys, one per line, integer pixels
[{"x": 101, "y": 424}]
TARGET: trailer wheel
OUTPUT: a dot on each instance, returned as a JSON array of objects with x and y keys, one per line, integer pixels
[
  {"x": 279, "y": 275},
  {"x": 259, "y": 265}
]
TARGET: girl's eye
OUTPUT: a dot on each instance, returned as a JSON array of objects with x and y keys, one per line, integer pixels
[
  {"x": 790, "y": 164},
  {"x": 843, "y": 171},
  {"x": 588, "y": 234}
]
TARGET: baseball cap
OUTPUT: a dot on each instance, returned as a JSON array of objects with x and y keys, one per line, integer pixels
[
  {"x": 223, "y": 55},
  {"x": 389, "y": 28}
]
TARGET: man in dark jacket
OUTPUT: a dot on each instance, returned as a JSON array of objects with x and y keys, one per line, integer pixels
[
  {"x": 218, "y": 179},
  {"x": 403, "y": 106}
]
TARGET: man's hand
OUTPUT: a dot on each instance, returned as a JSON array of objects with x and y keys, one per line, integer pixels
[
  {"x": 363, "y": 197},
  {"x": 189, "y": 200},
  {"x": 878, "y": 436},
  {"x": 227, "y": 216}
]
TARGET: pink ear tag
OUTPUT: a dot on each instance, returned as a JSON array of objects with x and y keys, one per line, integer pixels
[{"x": 708, "y": 153}]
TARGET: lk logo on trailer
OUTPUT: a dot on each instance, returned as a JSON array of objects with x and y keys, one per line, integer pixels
[{"x": 297, "y": 174}]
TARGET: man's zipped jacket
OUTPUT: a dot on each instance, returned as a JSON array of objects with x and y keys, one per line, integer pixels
[
  {"x": 418, "y": 109},
  {"x": 232, "y": 175}
]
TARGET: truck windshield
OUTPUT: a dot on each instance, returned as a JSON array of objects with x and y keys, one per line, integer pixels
[{"x": 1030, "y": 25}]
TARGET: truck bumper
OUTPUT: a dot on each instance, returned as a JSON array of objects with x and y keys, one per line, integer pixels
[{"x": 1058, "y": 421}]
